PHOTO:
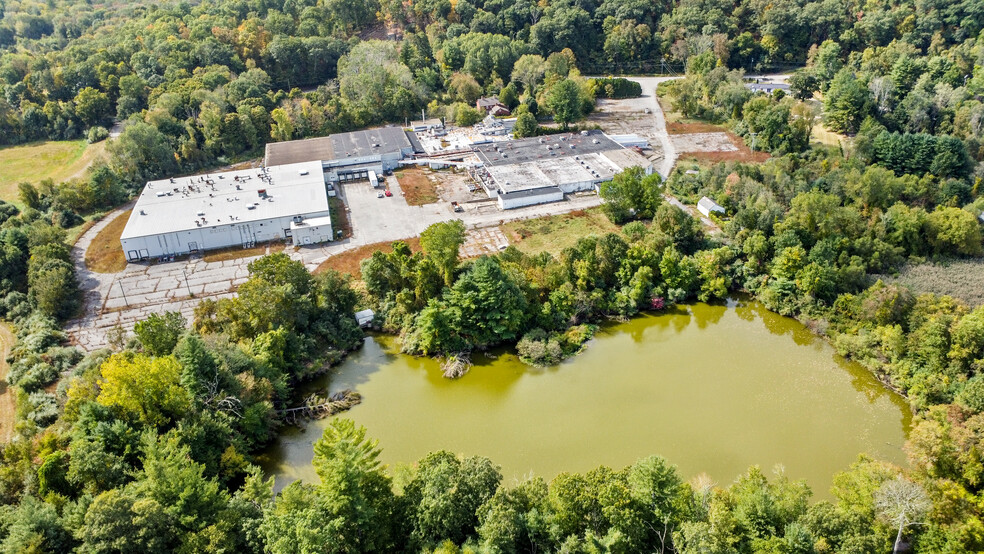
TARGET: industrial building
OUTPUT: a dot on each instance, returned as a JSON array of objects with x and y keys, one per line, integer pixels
[
  {"x": 234, "y": 208},
  {"x": 348, "y": 156},
  {"x": 538, "y": 170}
]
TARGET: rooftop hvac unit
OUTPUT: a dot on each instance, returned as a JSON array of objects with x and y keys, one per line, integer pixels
[
  {"x": 303, "y": 172},
  {"x": 143, "y": 212},
  {"x": 200, "y": 213},
  {"x": 596, "y": 141},
  {"x": 251, "y": 207}
]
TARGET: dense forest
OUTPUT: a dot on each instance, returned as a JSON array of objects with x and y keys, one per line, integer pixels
[{"x": 150, "y": 446}]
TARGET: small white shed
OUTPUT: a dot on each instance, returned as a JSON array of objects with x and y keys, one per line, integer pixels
[
  {"x": 707, "y": 206},
  {"x": 311, "y": 231},
  {"x": 364, "y": 318}
]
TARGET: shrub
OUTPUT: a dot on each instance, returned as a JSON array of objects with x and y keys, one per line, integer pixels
[{"x": 96, "y": 134}]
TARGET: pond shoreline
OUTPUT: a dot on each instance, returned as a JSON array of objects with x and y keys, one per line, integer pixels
[{"x": 657, "y": 384}]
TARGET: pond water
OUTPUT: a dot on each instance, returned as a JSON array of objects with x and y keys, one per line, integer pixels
[{"x": 712, "y": 388}]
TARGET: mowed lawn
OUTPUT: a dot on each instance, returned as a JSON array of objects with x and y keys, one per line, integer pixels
[
  {"x": 35, "y": 162},
  {"x": 556, "y": 232}
]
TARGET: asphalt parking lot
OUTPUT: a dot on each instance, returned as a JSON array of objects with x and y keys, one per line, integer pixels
[{"x": 388, "y": 218}]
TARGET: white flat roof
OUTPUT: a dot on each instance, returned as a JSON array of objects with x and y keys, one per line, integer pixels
[
  {"x": 230, "y": 197},
  {"x": 311, "y": 222},
  {"x": 553, "y": 172}
]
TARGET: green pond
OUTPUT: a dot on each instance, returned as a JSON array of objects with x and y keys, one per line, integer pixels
[{"x": 712, "y": 388}]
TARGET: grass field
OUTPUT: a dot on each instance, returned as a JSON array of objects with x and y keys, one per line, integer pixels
[
  {"x": 105, "y": 255},
  {"x": 554, "y": 233},
  {"x": 349, "y": 261},
  {"x": 963, "y": 279},
  {"x": 35, "y": 162},
  {"x": 7, "y": 405},
  {"x": 417, "y": 188}
]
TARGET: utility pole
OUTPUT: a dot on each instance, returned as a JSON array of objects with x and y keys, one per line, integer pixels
[{"x": 187, "y": 286}]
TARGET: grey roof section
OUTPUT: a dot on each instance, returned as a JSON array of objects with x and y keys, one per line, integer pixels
[
  {"x": 546, "y": 147},
  {"x": 415, "y": 142},
  {"x": 357, "y": 144},
  {"x": 542, "y": 191},
  {"x": 710, "y": 205}
]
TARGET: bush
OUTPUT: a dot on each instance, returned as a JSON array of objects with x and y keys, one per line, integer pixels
[
  {"x": 43, "y": 408},
  {"x": 537, "y": 348},
  {"x": 65, "y": 219},
  {"x": 96, "y": 134},
  {"x": 616, "y": 87}
]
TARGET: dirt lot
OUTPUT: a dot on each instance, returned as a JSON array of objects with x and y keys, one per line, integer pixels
[
  {"x": 704, "y": 142},
  {"x": 105, "y": 254},
  {"x": 350, "y": 260},
  {"x": 619, "y": 117},
  {"x": 423, "y": 186},
  {"x": 418, "y": 188}
]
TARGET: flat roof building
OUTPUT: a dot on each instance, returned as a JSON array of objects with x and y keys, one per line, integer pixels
[
  {"x": 542, "y": 169},
  {"x": 217, "y": 210},
  {"x": 348, "y": 156}
]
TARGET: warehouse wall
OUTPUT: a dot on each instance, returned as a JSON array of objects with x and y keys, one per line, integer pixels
[{"x": 208, "y": 238}]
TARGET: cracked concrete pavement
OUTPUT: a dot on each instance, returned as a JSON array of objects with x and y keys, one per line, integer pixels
[{"x": 142, "y": 289}]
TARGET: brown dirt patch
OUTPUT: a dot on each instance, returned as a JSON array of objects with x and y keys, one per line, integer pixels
[
  {"x": 681, "y": 128},
  {"x": 339, "y": 218},
  {"x": 8, "y": 408},
  {"x": 743, "y": 154},
  {"x": 417, "y": 188},
  {"x": 105, "y": 254},
  {"x": 237, "y": 252},
  {"x": 350, "y": 261}
]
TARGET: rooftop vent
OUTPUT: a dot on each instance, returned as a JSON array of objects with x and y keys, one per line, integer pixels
[
  {"x": 200, "y": 213},
  {"x": 143, "y": 212},
  {"x": 303, "y": 172},
  {"x": 251, "y": 207}
]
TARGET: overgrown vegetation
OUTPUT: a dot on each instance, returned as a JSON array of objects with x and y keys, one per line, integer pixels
[{"x": 149, "y": 447}]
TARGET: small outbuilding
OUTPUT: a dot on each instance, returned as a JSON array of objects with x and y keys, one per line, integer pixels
[
  {"x": 314, "y": 230},
  {"x": 365, "y": 317},
  {"x": 707, "y": 206}
]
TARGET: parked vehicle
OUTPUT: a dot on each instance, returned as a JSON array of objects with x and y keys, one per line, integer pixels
[
  {"x": 388, "y": 193},
  {"x": 457, "y": 207}
]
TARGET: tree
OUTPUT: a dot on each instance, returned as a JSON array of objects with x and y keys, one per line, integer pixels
[
  {"x": 526, "y": 125},
  {"x": 656, "y": 486},
  {"x": 489, "y": 305},
  {"x": 632, "y": 195},
  {"x": 903, "y": 504},
  {"x": 564, "y": 101},
  {"x": 147, "y": 389},
  {"x": 954, "y": 231},
  {"x": 445, "y": 495},
  {"x": 92, "y": 106},
  {"x": 159, "y": 333},
  {"x": 440, "y": 242},
  {"x": 465, "y": 88},
  {"x": 354, "y": 487},
  {"x": 118, "y": 522},
  {"x": 528, "y": 70},
  {"x": 846, "y": 103}
]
